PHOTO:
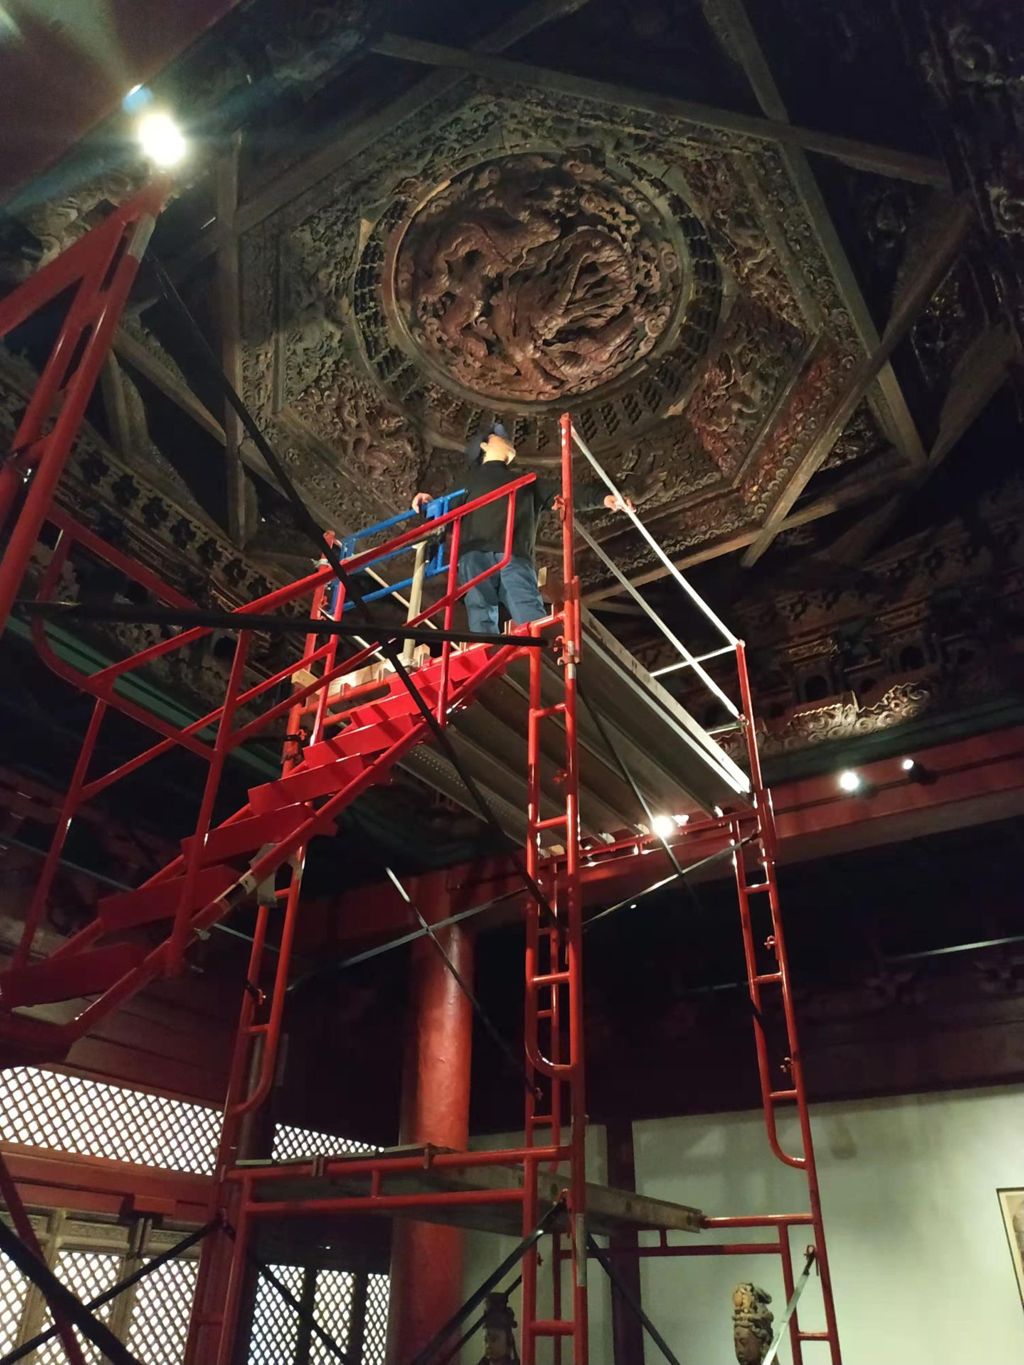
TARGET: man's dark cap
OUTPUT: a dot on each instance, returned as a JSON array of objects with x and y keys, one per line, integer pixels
[{"x": 473, "y": 451}]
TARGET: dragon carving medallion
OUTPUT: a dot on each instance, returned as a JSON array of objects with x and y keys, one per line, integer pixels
[{"x": 532, "y": 278}]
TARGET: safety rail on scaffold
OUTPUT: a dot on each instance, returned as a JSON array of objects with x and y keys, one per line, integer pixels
[{"x": 748, "y": 834}]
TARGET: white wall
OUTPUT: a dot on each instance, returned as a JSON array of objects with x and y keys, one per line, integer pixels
[
  {"x": 920, "y": 1264},
  {"x": 484, "y": 1251}
]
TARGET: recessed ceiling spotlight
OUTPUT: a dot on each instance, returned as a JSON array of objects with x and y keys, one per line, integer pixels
[
  {"x": 917, "y": 772},
  {"x": 850, "y": 781}
]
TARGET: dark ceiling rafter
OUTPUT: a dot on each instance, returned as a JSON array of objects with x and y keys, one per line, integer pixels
[
  {"x": 851, "y": 493},
  {"x": 229, "y": 313},
  {"x": 898, "y": 421},
  {"x": 148, "y": 364},
  {"x": 936, "y": 256},
  {"x": 854, "y": 152},
  {"x": 982, "y": 371},
  {"x": 358, "y": 132}
]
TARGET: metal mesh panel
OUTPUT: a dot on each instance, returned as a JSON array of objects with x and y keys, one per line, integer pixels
[
  {"x": 163, "y": 1302},
  {"x": 275, "y": 1324},
  {"x": 13, "y": 1289},
  {"x": 72, "y": 1114},
  {"x": 332, "y": 1308},
  {"x": 86, "y": 1274},
  {"x": 375, "y": 1337},
  {"x": 292, "y": 1143}
]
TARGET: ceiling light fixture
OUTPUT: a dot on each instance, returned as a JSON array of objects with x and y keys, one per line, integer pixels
[
  {"x": 663, "y": 826},
  {"x": 917, "y": 772},
  {"x": 850, "y": 781},
  {"x": 161, "y": 139}
]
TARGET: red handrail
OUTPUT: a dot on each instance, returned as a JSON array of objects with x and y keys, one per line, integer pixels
[{"x": 103, "y": 686}]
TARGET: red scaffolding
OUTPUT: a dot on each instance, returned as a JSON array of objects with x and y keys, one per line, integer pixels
[{"x": 348, "y": 743}]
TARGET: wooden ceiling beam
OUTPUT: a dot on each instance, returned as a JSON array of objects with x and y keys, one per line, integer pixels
[
  {"x": 849, "y": 494},
  {"x": 937, "y": 255},
  {"x": 981, "y": 374},
  {"x": 899, "y": 425},
  {"x": 229, "y": 310},
  {"x": 356, "y": 134},
  {"x": 162, "y": 377},
  {"x": 854, "y": 152}
]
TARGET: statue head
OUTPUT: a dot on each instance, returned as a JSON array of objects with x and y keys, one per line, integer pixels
[
  {"x": 499, "y": 1327},
  {"x": 751, "y": 1323}
]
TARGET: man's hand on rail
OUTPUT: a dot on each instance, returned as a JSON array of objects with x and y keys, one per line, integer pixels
[
  {"x": 420, "y": 501},
  {"x": 618, "y": 502}
]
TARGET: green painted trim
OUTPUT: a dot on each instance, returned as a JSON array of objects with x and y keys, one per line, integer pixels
[
  {"x": 87, "y": 659},
  {"x": 363, "y": 817}
]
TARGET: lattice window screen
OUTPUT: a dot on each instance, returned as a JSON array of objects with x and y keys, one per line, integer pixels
[
  {"x": 332, "y": 1308},
  {"x": 275, "y": 1324},
  {"x": 292, "y": 1143},
  {"x": 13, "y": 1290},
  {"x": 375, "y": 1337},
  {"x": 86, "y": 1274},
  {"x": 163, "y": 1302},
  {"x": 73, "y": 1114}
]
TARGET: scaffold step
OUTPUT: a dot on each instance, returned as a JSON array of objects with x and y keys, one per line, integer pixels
[
  {"x": 357, "y": 739},
  {"x": 399, "y": 701},
  {"x": 243, "y": 837},
  {"x": 127, "y": 909},
  {"x": 65, "y": 978},
  {"x": 302, "y": 783}
]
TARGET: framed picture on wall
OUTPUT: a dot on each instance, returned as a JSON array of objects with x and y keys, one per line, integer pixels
[{"x": 1011, "y": 1203}]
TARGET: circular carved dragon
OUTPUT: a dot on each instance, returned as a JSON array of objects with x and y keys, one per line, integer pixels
[{"x": 533, "y": 278}]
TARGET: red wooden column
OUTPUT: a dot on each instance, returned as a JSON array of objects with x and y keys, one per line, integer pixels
[{"x": 426, "y": 1258}]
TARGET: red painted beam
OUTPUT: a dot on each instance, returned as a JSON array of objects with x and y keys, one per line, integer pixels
[
  {"x": 974, "y": 781},
  {"x": 93, "y": 1184}
]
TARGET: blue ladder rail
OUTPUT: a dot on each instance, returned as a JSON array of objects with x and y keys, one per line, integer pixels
[{"x": 436, "y": 564}]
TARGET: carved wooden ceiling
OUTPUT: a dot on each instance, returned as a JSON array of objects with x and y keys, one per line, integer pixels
[{"x": 770, "y": 259}]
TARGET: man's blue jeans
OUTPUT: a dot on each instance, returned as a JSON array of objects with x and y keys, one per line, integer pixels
[{"x": 514, "y": 587}]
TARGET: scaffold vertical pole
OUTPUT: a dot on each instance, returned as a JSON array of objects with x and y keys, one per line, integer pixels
[
  {"x": 554, "y": 998},
  {"x": 102, "y": 266},
  {"x": 759, "y": 883}
]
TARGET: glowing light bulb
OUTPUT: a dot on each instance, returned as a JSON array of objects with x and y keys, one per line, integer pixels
[
  {"x": 850, "y": 781},
  {"x": 908, "y": 765},
  {"x": 161, "y": 139},
  {"x": 663, "y": 826}
]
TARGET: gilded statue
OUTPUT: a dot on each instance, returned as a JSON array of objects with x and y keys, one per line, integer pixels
[
  {"x": 499, "y": 1332},
  {"x": 751, "y": 1323}
]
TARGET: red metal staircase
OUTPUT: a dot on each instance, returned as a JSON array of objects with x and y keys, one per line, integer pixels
[{"x": 350, "y": 742}]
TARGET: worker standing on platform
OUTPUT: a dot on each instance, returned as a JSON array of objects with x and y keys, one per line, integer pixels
[{"x": 482, "y": 539}]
